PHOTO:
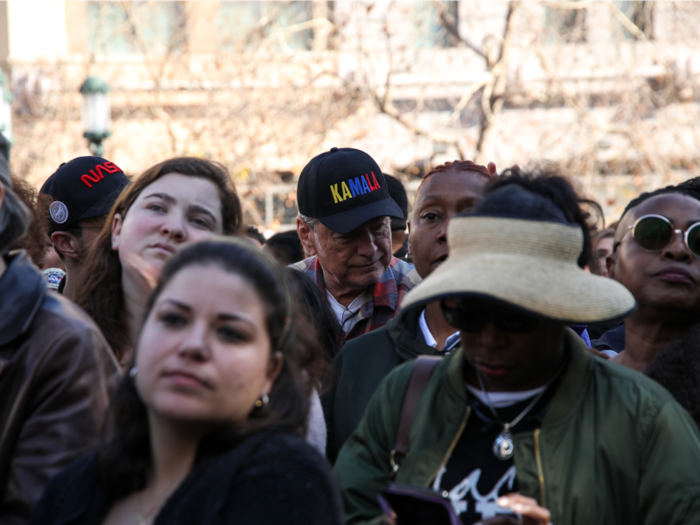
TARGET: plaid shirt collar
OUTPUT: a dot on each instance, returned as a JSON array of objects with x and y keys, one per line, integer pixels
[{"x": 385, "y": 292}]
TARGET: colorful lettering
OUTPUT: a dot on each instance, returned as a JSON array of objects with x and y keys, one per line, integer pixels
[
  {"x": 346, "y": 191},
  {"x": 365, "y": 185},
  {"x": 356, "y": 186},
  {"x": 376, "y": 184},
  {"x": 369, "y": 182},
  {"x": 336, "y": 196}
]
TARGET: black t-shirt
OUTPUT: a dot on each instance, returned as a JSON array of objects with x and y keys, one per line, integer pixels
[{"x": 473, "y": 476}]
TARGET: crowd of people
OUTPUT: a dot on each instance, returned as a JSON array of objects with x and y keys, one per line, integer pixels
[{"x": 493, "y": 356}]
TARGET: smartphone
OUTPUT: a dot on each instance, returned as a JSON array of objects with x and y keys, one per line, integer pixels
[{"x": 412, "y": 505}]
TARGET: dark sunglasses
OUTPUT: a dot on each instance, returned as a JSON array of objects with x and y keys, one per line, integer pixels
[
  {"x": 470, "y": 317},
  {"x": 654, "y": 232}
]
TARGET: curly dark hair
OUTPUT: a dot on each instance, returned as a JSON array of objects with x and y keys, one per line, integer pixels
[
  {"x": 34, "y": 239},
  {"x": 124, "y": 459},
  {"x": 557, "y": 188},
  {"x": 689, "y": 188},
  {"x": 101, "y": 294}
]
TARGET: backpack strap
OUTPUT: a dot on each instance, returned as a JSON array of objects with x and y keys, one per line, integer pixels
[{"x": 423, "y": 368}]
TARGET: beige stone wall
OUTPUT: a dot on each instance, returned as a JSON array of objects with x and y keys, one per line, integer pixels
[{"x": 618, "y": 113}]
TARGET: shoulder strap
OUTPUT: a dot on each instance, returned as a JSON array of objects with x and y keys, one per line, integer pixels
[{"x": 423, "y": 368}]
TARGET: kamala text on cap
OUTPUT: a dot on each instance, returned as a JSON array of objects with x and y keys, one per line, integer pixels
[{"x": 354, "y": 187}]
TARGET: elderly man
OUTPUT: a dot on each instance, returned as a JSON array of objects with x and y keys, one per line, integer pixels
[
  {"x": 343, "y": 223},
  {"x": 56, "y": 371}
]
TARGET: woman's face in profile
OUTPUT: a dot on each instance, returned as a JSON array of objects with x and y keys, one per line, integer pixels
[
  {"x": 171, "y": 212},
  {"x": 204, "y": 352}
]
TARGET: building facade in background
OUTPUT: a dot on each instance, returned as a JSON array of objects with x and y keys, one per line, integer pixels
[{"x": 607, "y": 91}]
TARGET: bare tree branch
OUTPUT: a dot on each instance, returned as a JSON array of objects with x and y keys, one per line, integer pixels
[{"x": 451, "y": 25}]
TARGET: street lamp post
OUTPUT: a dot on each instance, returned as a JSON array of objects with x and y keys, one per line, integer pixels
[
  {"x": 96, "y": 113},
  {"x": 6, "y": 99}
]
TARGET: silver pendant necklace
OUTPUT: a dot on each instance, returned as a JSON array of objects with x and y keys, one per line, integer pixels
[{"x": 503, "y": 446}]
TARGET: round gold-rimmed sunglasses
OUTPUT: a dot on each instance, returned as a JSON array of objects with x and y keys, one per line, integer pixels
[{"x": 654, "y": 232}]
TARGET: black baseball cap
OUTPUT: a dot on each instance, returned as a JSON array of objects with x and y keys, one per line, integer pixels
[
  {"x": 398, "y": 193},
  {"x": 344, "y": 188},
  {"x": 82, "y": 188}
]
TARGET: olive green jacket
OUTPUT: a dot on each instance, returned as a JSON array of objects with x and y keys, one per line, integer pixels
[{"x": 614, "y": 447}]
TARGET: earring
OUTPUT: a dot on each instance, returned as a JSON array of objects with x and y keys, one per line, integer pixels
[
  {"x": 132, "y": 373},
  {"x": 264, "y": 400}
]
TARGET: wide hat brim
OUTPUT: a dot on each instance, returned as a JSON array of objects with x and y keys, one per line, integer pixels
[
  {"x": 349, "y": 220},
  {"x": 529, "y": 265}
]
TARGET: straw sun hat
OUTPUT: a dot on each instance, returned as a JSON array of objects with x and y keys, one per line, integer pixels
[{"x": 528, "y": 262}]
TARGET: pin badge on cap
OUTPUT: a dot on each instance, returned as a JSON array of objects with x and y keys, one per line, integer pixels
[{"x": 58, "y": 212}]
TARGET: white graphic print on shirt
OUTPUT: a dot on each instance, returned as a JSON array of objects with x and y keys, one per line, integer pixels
[{"x": 484, "y": 504}]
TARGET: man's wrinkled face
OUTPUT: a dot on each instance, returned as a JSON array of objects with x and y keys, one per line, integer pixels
[
  {"x": 669, "y": 278},
  {"x": 356, "y": 260}
]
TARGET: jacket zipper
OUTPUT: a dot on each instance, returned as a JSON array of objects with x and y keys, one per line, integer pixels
[
  {"x": 452, "y": 445},
  {"x": 540, "y": 472}
]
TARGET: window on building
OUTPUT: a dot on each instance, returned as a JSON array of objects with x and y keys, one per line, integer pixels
[
  {"x": 436, "y": 24},
  {"x": 135, "y": 27},
  {"x": 246, "y": 25},
  {"x": 565, "y": 25},
  {"x": 640, "y": 13}
]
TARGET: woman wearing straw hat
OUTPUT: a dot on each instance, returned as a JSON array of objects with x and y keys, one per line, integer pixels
[{"x": 522, "y": 407}]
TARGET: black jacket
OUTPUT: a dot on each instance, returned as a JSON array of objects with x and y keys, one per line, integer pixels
[
  {"x": 359, "y": 368},
  {"x": 611, "y": 340},
  {"x": 272, "y": 478},
  {"x": 56, "y": 375}
]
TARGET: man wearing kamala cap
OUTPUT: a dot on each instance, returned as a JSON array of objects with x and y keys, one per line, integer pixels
[
  {"x": 343, "y": 222},
  {"x": 522, "y": 406},
  {"x": 56, "y": 371},
  {"x": 78, "y": 197}
]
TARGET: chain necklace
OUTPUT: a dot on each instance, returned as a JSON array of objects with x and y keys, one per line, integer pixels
[
  {"x": 503, "y": 446},
  {"x": 144, "y": 518}
]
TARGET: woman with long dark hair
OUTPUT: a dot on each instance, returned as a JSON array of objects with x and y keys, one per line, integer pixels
[
  {"x": 172, "y": 204},
  {"x": 206, "y": 426}
]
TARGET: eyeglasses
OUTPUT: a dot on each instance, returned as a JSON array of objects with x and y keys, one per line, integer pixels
[
  {"x": 654, "y": 232},
  {"x": 473, "y": 318}
]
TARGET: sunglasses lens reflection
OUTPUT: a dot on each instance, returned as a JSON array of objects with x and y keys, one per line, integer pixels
[
  {"x": 653, "y": 233},
  {"x": 694, "y": 239}
]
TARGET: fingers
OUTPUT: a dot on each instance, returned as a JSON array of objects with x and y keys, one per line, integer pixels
[
  {"x": 516, "y": 168},
  {"x": 526, "y": 507},
  {"x": 491, "y": 166}
]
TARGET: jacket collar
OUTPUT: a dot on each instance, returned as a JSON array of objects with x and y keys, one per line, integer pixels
[
  {"x": 403, "y": 330},
  {"x": 22, "y": 291},
  {"x": 570, "y": 386}
]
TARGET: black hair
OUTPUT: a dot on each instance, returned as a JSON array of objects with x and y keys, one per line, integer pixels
[
  {"x": 689, "y": 188},
  {"x": 285, "y": 247},
  {"x": 319, "y": 312},
  {"x": 558, "y": 190},
  {"x": 254, "y": 233},
  {"x": 124, "y": 460},
  {"x": 398, "y": 193}
]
